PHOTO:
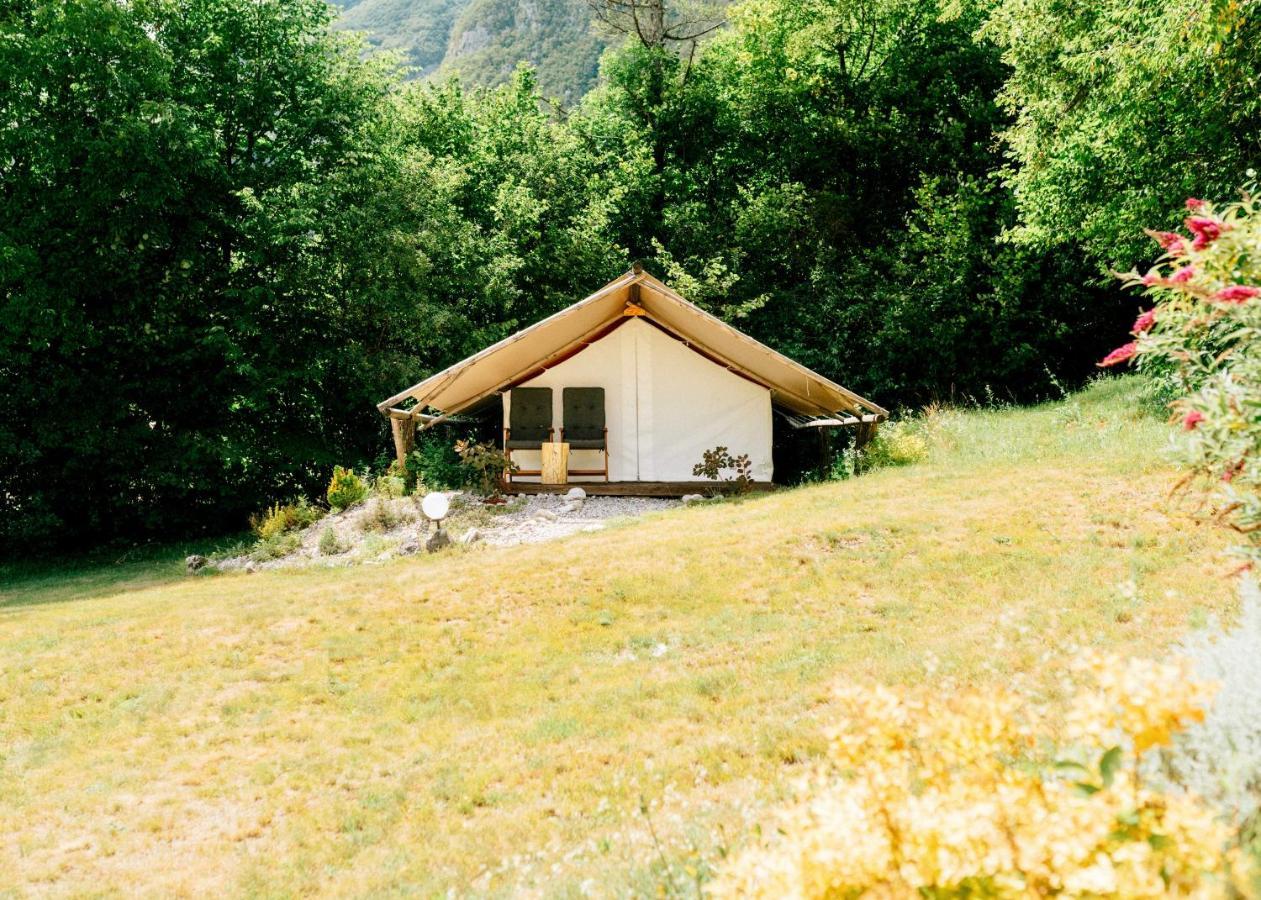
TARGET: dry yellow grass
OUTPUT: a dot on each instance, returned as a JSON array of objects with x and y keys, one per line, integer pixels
[{"x": 489, "y": 721}]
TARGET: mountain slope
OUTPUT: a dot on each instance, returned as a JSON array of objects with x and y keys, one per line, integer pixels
[
  {"x": 482, "y": 41},
  {"x": 420, "y": 29}
]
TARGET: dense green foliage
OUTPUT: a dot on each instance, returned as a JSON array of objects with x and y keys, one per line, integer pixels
[
  {"x": 825, "y": 172},
  {"x": 433, "y": 465},
  {"x": 175, "y": 342},
  {"x": 227, "y": 231},
  {"x": 1121, "y": 105},
  {"x": 212, "y": 268}
]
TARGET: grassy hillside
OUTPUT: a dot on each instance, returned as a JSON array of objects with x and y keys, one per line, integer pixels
[
  {"x": 587, "y": 712},
  {"x": 482, "y": 41}
]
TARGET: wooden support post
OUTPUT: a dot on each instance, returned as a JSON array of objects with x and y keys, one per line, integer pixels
[
  {"x": 404, "y": 438},
  {"x": 864, "y": 433}
]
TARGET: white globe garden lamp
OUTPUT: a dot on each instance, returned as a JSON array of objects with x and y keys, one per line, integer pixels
[{"x": 435, "y": 506}]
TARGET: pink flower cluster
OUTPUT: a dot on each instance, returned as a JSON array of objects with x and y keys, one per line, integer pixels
[
  {"x": 1180, "y": 276},
  {"x": 1237, "y": 293},
  {"x": 1171, "y": 241},
  {"x": 1206, "y": 230},
  {"x": 1144, "y": 322},
  {"x": 1121, "y": 354}
]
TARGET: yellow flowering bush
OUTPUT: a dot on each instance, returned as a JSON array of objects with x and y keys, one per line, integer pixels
[{"x": 994, "y": 795}]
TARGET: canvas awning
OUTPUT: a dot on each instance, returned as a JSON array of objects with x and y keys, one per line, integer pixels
[{"x": 637, "y": 294}]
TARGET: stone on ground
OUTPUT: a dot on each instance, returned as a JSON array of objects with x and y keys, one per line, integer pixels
[{"x": 437, "y": 541}]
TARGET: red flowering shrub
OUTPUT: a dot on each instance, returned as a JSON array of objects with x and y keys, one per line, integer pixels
[
  {"x": 1144, "y": 322},
  {"x": 1202, "y": 339},
  {"x": 1121, "y": 354}
]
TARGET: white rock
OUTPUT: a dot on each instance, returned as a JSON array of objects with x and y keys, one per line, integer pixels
[
  {"x": 659, "y": 650},
  {"x": 576, "y": 493},
  {"x": 693, "y": 498},
  {"x": 471, "y": 536},
  {"x": 546, "y": 514},
  {"x": 569, "y": 508}
]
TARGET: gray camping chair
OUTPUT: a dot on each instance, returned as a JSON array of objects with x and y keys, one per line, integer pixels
[
  {"x": 529, "y": 423},
  {"x": 584, "y": 427}
]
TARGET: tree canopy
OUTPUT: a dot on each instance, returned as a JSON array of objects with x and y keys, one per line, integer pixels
[{"x": 227, "y": 231}]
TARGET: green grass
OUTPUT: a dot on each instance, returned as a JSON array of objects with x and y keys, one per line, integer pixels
[{"x": 505, "y": 720}]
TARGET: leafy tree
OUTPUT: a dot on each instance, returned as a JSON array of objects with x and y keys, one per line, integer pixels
[
  {"x": 822, "y": 171},
  {"x": 216, "y": 266},
  {"x": 953, "y": 313},
  {"x": 171, "y": 347},
  {"x": 1119, "y": 105},
  {"x": 659, "y": 24},
  {"x": 522, "y": 228}
]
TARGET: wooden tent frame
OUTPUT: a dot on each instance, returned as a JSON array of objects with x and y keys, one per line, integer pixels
[{"x": 849, "y": 409}]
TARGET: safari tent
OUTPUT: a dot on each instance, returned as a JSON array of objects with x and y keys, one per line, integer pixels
[{"x": 637, "y": 383}]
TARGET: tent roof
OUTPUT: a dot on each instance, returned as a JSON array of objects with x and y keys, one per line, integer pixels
[{"x": 636, "y": 294}]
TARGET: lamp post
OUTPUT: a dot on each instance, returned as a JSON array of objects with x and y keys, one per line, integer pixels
[{"x": 435, "y": 507}]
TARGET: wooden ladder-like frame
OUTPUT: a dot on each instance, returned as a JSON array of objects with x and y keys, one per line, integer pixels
[
  {"x": 508, "y": 454},
  {"x": 604, "y": 471}
]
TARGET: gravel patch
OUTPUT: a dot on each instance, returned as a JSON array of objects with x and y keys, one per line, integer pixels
[
  {"x": 380, "y": 529},
  {"x": 545, "y": 517}
]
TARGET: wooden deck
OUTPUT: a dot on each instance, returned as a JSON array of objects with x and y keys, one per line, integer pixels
[{"x": 634, "y": 488}]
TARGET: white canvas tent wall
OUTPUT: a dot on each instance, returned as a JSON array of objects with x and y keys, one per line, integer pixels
[
  {"x": 698, "y": 375},
  {"x": 665, "y": 405}
]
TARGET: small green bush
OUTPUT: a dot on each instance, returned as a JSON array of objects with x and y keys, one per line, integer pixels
[
  {"x": 345, "y": 488},
  {"x": 381, "y": 516},
  {"x": 483, "y": 465},
  {"x": 275, "y": 547},
  {"x": 280, "y": 518},
  {"x": 329, "y": 545},
  {"x": 435, "y": 465},
  {"x": 840, "y": 466},
  {"x": 390, "y": 486},
  {"x": 895, "y": 444}
]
